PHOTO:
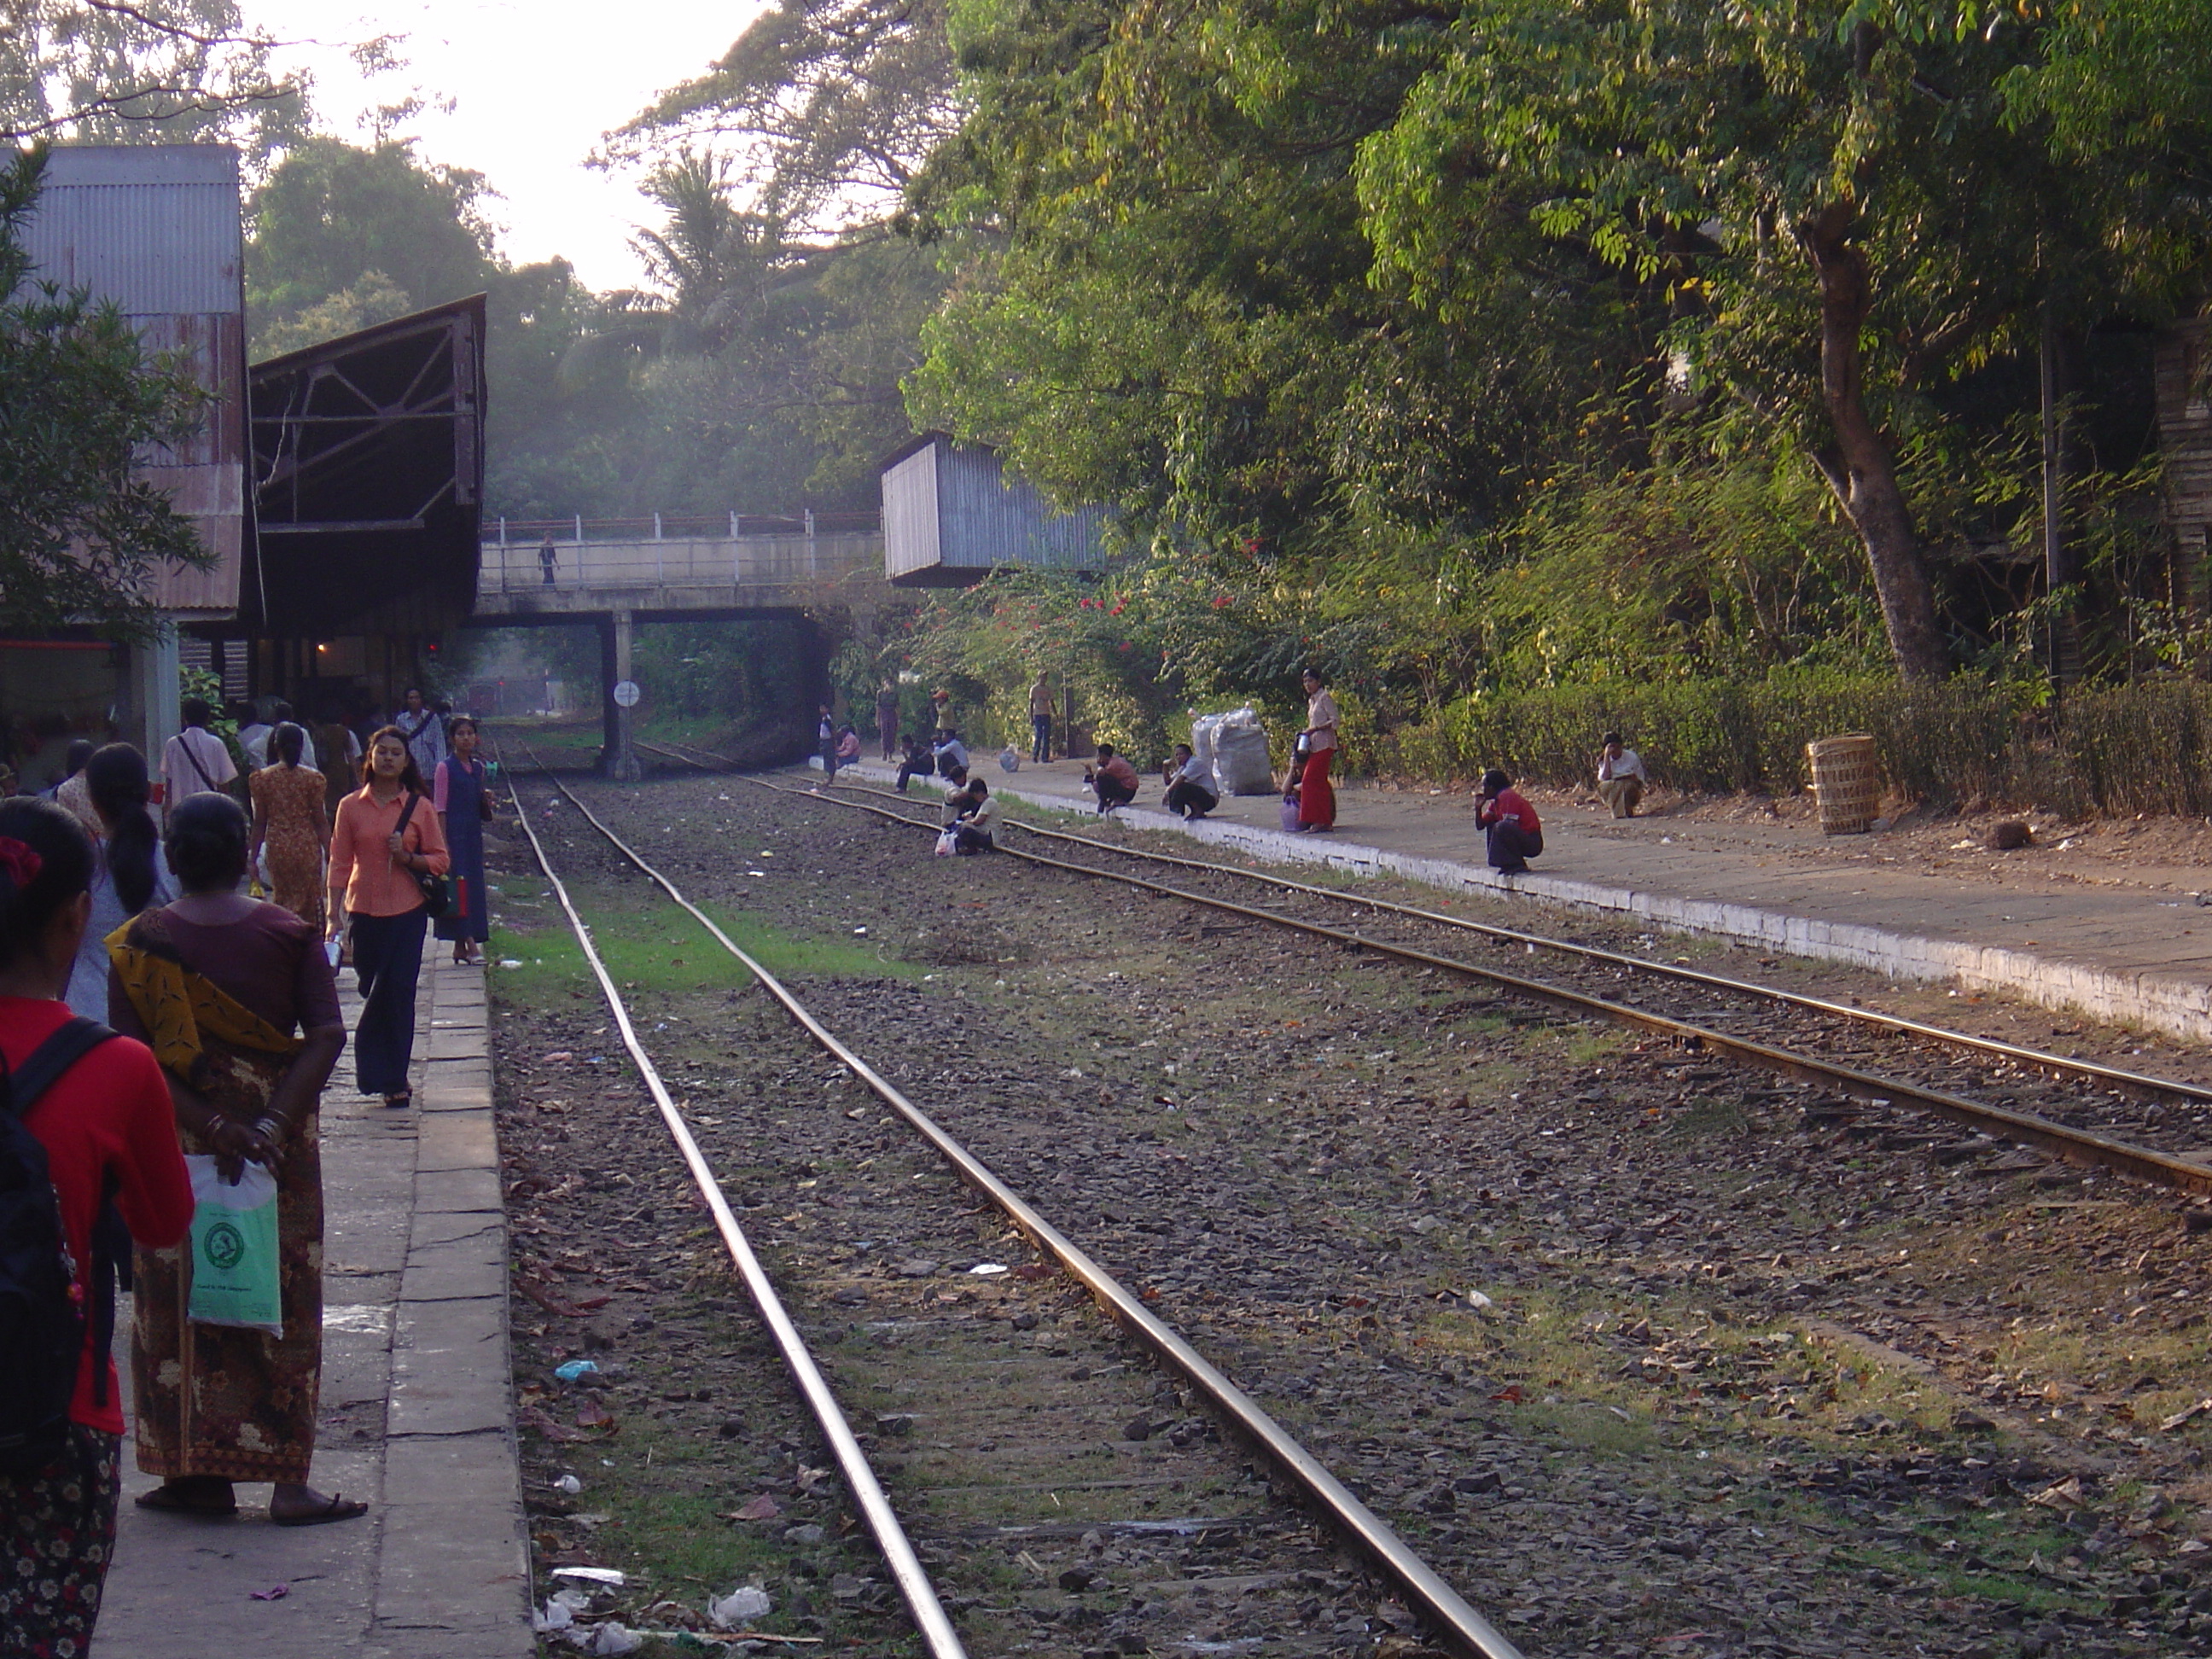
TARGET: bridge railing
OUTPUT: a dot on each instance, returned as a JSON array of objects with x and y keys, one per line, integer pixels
[
  {"x": 680, "y": 526},
  {"x": 748, "y": 561}
]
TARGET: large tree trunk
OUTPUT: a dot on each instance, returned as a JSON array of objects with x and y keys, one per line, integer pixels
[{"x": 1858, "y": 465}]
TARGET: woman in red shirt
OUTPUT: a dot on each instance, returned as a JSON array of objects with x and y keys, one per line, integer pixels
[
  {"x": 107, "y": 1127},
  {"x": 1514, "y": 834},
  {"x": 375, "y": 892}
]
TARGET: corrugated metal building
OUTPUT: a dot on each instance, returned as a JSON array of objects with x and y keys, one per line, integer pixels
[
  {"x": 156, "y": 228},
  {"x": 951, "y": 516}
]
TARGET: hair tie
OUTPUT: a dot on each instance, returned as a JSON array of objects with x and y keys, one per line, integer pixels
[{"x": 21, "y": 863}]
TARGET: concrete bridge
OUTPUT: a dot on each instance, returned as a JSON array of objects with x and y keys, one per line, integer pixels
[{"x": 614, "y": 575}]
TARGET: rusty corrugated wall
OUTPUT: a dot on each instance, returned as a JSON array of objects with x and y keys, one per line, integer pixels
[{"x": 156, "y": 227}]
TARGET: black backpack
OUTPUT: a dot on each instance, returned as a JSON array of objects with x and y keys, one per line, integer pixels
[{"x": 42, "y": 1328}]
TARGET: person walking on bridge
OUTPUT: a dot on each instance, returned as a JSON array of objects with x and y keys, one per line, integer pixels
[{"x": 548, "y": 559}]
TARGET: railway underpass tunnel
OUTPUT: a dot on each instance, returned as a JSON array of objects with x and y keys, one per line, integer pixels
[{"x": 759, "y": 674}]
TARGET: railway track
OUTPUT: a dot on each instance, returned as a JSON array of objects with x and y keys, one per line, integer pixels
[
  {"x": 1450, "y": 1619},
  {"x": 2057, "y": 1104}
]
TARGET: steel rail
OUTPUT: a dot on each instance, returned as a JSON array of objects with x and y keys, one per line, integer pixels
[
  {"x": 2135, "y": 1082},
  {"x": 2081, "y": 1146},
  {"x": 929, "y": 1615},
  {"x": 1449, "y": 1614}
]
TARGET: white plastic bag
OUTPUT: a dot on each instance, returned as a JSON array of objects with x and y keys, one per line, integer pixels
[
  {"x": 234, "y": 1245},
  {"x": 948, "y": 842},
  {"x": 1241, "y": 765}
]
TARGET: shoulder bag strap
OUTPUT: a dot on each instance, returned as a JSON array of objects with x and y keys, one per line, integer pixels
[
  {"x": 185, "y": 741},
  {"x": 77, "y": 1037}
]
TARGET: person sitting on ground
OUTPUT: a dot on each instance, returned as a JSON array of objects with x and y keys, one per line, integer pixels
[
  {"x": 848, "y": 747},
  {"x": 1113, "y": 778},
  {"x": 1621, "y": 779},
  {"x": 1514, "y": 834},
  {"x": 1190, "y": 786},
  {"x": 951, "y": 755},
  {"x": 974, "y": 830},
  {"x": 920, "y": 761}
]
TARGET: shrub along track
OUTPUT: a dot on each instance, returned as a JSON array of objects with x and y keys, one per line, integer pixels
[
  {"x": 1044, "y": 1511},
  {"x": 1733, "y": 1378}
]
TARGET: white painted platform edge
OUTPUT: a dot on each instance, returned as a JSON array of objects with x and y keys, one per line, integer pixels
[{"x": 2177, "y": 1008}]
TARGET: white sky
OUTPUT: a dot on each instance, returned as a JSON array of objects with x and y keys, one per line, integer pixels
[{"x": 534, "y": 83}]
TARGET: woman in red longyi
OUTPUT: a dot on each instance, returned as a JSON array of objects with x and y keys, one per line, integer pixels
[{"x": 1316, "y": 799}]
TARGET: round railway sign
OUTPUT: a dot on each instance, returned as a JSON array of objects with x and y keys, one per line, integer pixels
[{"x": 627, "y": 694}]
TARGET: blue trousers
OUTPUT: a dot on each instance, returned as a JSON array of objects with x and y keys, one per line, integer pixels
[
  {"x": 1040, "y": 738},
  {"x": 387, "y": 956}
]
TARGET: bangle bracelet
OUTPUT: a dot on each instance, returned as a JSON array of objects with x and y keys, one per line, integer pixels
[{"x": 271, "y": 1127}]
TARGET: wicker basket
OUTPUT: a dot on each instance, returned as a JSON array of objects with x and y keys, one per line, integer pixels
[{"x": 1847, "y": 783}]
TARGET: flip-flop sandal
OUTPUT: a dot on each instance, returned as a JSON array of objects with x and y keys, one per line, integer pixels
[
  {"x": 336, "y": 1507},
  {"x": 399, "y": 1103},
  {"x": 170, "y": 1503}
]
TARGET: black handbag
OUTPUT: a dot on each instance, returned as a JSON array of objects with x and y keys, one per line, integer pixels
[{"x": 437, "y": 892}]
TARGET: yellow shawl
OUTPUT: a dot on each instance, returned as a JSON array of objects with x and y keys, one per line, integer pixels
[{"x": 182, "y": 1010}]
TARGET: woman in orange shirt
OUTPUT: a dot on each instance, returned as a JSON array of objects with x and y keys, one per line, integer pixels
[{"x": 386, "y": 838}]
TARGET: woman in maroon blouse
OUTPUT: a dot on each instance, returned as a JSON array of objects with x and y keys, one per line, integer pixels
[{"x": 237, "y": 1000}]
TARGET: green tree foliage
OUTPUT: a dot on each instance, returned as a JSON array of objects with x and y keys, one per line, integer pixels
[
  {"x": 1165, "y": 297},
  {"x": 1845, "y": 212},
  {"x": 335, "y": 218},
  {"x": 832, "y": 105},
  {"x": 1552, "y": 314},
  {"x": 80, "y": 401},
  {"x": 151, "y": 71}
]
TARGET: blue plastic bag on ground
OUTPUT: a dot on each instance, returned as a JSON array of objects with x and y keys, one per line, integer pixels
[{"x": 233, "y": 1243}]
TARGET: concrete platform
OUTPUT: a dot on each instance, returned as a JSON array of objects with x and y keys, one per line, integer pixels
[
  {"x": 417, "y": 1406},
  {"x": 2136, "y": 951}
]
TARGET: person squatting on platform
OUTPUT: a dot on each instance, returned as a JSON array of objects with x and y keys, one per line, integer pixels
[
  {"x": 101, "y": 1131},
  {"x": 1316, "y": 795},
  {"x": 1112, "y": 778},
  {"x": 238, "y": 1002},
  {"x": 1621, "y": 779},
  {"x": 1514, "y": 833},
  {"x": 1190, "y": 786},
  {"x": 951, "y": 755}
]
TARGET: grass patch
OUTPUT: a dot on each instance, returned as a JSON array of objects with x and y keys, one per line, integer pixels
[{"x": 651, "y": 947}]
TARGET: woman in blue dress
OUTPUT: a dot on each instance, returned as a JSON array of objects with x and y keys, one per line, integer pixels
[{"x": 462, "y": 794}]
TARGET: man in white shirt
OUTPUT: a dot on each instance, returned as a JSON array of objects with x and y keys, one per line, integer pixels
[
  {"x": 252, "y": 736},
  {"x": 1621, "y": 779},
  {"x": 195, "y": 760},
  {"x": 425, "y": 733}
]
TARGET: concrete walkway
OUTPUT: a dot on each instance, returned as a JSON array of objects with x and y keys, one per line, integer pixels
[
  {"x": 2138, "y": 951},
  {"x": 416, "y": 1403}
]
